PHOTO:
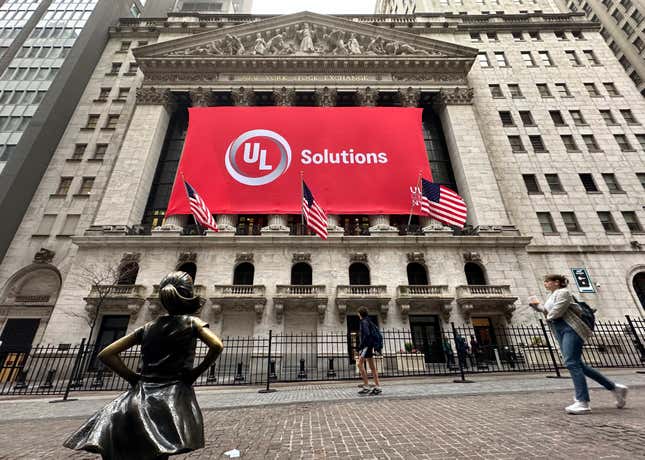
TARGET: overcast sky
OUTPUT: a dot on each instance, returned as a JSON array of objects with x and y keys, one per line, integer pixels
[{"x": 316, "y": 6}]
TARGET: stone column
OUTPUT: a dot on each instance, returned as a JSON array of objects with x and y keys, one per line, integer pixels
[
  {"x": 243, "y": 96},
  {"x": 380, "y": 225},
  {"x": 226, "y": 224},
  {"x": 366, "y": 97},
  {"x": 469, "y": 157},
  {"x": 333, "y": 229},
  {"x": 202, "y": 97},
  {"x": 137, "y": 161},
  {"x": 284, "y": 97}
]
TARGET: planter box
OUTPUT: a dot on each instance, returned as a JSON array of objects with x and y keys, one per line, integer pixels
[{"x": 410, "y": 362}]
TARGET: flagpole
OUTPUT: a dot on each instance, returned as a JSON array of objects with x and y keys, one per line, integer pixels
[
  {"x": 412, "y": 204},
  {"x": 199, "y": 228},
  {"x": 302, "y": 197}
]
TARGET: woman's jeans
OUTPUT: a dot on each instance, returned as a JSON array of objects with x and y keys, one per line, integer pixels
[{"x": 571, "y": 347}]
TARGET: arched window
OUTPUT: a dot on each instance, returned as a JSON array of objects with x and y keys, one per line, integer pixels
[
  {"x": 190, "y": 268},
  {"x": 244, "y": 274},
  {"x": 417, "y": 275},
  {"x": 301, "y": 274},
  {"x": 359, "y": 274},
  {"x": 639, "y": 286},
  {"x": 474, "y": 274},
  {"x": 128, "y": 273}
]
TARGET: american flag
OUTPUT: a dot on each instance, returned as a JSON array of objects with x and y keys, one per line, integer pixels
[
  {"x": 442, "y": 204},
  {"x": 314, "y": 215},
  {"x": 199, "y": 209}
]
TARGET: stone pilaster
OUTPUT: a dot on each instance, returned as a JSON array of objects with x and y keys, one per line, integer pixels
[
  {"x": 470, "y": 161},
  {"x": 326, "y": 97},
  {"x": 137, "y": 161},
  {"x": 284, "y": 96}
]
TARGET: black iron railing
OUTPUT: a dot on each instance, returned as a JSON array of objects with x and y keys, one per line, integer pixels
[{"x": 67, "y": 368}]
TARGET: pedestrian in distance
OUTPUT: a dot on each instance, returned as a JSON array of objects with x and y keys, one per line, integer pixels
[
  {"x": 474, "y": 351},
  {"x": 371, "y": 341},
  {"x": 158, "y": 415},
  {"x": 564, "y": 316}
]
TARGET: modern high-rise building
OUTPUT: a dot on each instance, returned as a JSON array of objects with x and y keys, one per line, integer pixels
[
  {"x": 49, "y": 48},
  {"x": 160, "y": 8},
  {"x": 623, "y": 28},
  {"x": 524, "y": 111}
]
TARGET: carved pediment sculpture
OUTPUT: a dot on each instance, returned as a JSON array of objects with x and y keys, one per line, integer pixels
[
  {"x": 44, "y": 256},
  {"x": 358, "y": 257},
  {"x": 129, "y": 257},
  {"x": 244, "y": 257},
  {"x": 185, "y": 257}
]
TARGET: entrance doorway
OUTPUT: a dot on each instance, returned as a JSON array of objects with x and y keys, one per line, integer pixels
[
  {"x": 639, "y": 288},
  {"x": 112, "y": 328},
  {"x": 15, "y": 344},
  {"x": 426, "y": 337},
  {"x": 354, "y": 334},
  {"x": 485, "y": 336}
]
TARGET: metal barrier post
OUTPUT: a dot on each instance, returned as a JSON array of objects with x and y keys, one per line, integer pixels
[
  {"x": 75, "y": 370},
  {"x": 553, "y": 360},
  {"x": 268, "y": 389},
  {"x": 461, "y": 358},
  {"x": 637, "y": 340}
]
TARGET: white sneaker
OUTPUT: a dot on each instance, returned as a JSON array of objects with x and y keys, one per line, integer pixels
[
  {"x": 620, "y": 392},
  {"x": 578, "y": 408}
]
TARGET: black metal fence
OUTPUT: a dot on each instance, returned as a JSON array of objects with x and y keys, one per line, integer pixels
[{"x": 63, "y": 369}]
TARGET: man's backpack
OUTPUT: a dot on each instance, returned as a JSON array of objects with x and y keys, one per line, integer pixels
[
  {"x": 377, "y": 337},
  {"x": 587, "y": 314}
]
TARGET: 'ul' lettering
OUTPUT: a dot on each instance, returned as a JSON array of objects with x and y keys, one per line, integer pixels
[{"x": 257, "y": 154}]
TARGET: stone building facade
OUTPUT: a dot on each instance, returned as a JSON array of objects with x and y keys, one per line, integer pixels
[{"x": 548, "y": 155}]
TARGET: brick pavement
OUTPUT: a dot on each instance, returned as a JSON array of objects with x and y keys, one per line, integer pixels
[{"x": 529, "y": 424}]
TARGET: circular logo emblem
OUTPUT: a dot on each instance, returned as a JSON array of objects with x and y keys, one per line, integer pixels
[{"x": 232, "y": 158}]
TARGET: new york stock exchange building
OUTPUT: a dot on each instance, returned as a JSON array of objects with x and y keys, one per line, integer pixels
[{"x": 529, "y": 117}]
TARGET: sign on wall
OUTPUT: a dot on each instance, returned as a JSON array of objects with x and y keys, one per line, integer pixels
[
  {"x": 356, "y": 160},
  {"x": 583, "y": 280}
]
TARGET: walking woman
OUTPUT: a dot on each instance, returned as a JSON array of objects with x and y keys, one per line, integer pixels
[
  {"x": 571, "y": 332},
  {"x": 158, "y": 416}
]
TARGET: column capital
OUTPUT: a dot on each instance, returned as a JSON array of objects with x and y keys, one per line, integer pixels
[
  {"x": 409, "y": 97},
  {"x": 201, "y": 97},
  {"x": 456, "y": 96},
  {"x": 149, "y": 95},
  {"x": 326, "y": 97},
  {"x": 367, "y": 97},
  {"x": 284, "y": 96},
  {"x": 243, "y": 96}
]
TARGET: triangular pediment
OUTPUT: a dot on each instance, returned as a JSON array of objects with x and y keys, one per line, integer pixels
[{"x": 304, "y": 36}]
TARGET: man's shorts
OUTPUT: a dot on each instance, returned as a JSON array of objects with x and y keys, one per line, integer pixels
[{"x": 367, "y": 352}]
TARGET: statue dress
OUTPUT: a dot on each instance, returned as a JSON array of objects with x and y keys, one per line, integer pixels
[
  {"x": 307, "y": 43},
  {"x": 159, "y": 415}
]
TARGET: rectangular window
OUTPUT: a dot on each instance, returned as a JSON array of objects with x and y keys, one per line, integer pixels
[
  {"x": 123, "y": 93},
  {"x": 500, "y": 59},
  {"x": 104, "y": 94},
  {"x": 79, "y": 151},
  {"x": 537, "y": 143},
  {"x": 590, "y": 143},
  {"x": 612, "y": 183},
  {"x": 632, "y": 221},
  {"x": 588, "y": 183},
  {"x": 641, "y": 179},
  {"x": 546, "y": 222},
  {"x": 569, "y": 143},
  {"x": 99, "y": 152},
  {"x": 528, "y": 59},
  {"x": 557, "y": 118},
  {"x": 483, "y": 60},
  {"x": 116, "y": 67},
  {"x": 571, "y": 222},
  {"x": 46, "y": 224},
  {"x": 592, "y": 89},
  {"x": 577, "y": 117},
  {"x": 554, "y": 183},
  {"x": 535, "y": 36},
  {"x": 607, "y": 221},
  {"x": 132, "y": 68},
  {"x": 561, "y": 36},
  {"x": 64, "y": 185},
  {"x": 572, "y": 57},
  {"x": 531, "y": 183},
  {"x": 562, "y": 89},
  {"x": 507, "y": 118},
  {"x": 475, "y": 37},
  {"x": 92, "y": 121},
  {"x": 492, "y": 37},
  {"x": 69, "y": 227},
  {"x": 623, "y": 143},
  {"x": 641, "y": 140},
  {"x": 577, "y": 35},
  {"x": 628, "y": 116},
  {"x": 125, "y": 46},
  {"x": 515, "y": 90},
  {"x": 608, "y": 117},
  {"x": 516, "y": 144},
  {"x": 543, "y": 89},
  {"x": 495, "y": 91},
  {"x": 545, "y": 58},
  {"x": 639, "y": 43},
  {"x": 527, "y": 118},
  {"x": 86, "y": 186},
  {"x": 111, "y": 122},
  {"x": 517, "y": 37},
  {"x": 592, "y": 59},
  {"x": 611, "y": 89}
]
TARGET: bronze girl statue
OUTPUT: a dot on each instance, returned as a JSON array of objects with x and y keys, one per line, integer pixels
[{"x": 159, "y": 415}]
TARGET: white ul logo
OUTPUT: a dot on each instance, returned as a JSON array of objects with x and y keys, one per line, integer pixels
[
  {"x": 257, "y": 153},
  {"x": 254, "y": 153}
]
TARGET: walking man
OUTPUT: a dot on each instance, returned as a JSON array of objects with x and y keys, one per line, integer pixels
[{"x": 369, "y": 340}]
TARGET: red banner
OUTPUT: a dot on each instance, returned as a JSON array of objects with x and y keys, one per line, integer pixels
[{"x": 249, "y": 160}]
